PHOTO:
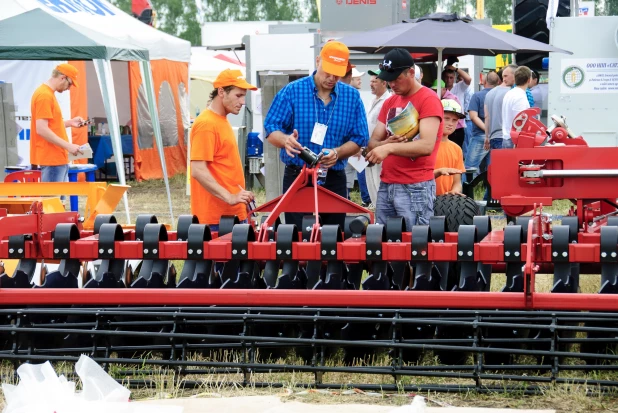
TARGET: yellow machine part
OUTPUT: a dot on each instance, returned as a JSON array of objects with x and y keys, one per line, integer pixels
[
  {"x": 102, "y": 198},
  {"x": 22, "y": 205}
]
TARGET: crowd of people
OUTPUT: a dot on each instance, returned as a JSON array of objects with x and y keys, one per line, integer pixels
[
  {"x": 323, "y": 112},
  {"x": 447, "y": 134}
]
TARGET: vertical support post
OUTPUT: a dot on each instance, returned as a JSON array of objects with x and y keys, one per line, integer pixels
[
  {"x": 271, "y": 85},
  {"x": 146, "y": 71},
  {"x": 106, "y": 83}
]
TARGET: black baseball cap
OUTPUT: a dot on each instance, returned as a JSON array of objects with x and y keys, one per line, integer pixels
[{"x": 395, "y": 62}]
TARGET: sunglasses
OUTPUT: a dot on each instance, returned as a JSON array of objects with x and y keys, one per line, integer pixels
[
  {"x": 387, "y": 67},
  {"x": 69, "y": 81}
]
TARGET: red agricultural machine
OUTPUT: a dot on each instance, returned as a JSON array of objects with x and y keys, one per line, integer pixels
[{"x": 429, "y": 301}]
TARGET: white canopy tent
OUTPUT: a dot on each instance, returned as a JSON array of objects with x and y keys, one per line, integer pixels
[{"x": 104, "y": 23}]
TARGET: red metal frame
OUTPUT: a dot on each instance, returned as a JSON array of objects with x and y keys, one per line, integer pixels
[
  {"x": 535, "y": 252},
  {"x": 593, "y": 198},
  {"x": 300, "y": 194}
]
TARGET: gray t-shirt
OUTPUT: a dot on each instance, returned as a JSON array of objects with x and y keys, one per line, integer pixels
[{"x": 493, "y": 101}]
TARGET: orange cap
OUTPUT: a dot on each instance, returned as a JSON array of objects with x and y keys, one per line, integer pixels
[
  {"x": 334, "y": 57},
  {"x": 69, "y": 71},
  {"x": 231, "y": 77}
]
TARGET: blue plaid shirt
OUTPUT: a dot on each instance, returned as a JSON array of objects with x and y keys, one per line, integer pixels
[{"x": 295, "y": 107}]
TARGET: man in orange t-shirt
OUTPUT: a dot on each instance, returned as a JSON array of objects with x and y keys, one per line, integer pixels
[
  {"x": 449, "y": 160},
  {"x": 49, "y": 143},
  {"x": 217, "y": 177}
]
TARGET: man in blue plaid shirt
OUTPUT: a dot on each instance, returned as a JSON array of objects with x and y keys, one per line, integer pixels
[{"x": 323, "y": 114}]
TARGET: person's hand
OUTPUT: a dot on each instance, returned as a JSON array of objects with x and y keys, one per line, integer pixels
[
  {"x": 378, "y": 154},
  {"x": 292, "y": 147},
  {"x": 330, "y": 159},
  {"x": 74, "y": 149},
  {"x": 486, "y": 145},
  {"x": 76, "y": 122},
  {"x": 242, "y": 197},
  {"x": 449, "y": 171},
  {"x": 394, "y": 139}
]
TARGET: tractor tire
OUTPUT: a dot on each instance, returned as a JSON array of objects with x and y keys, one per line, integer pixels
[
  {"x": 529, "y": 21},
  {"x": 458, "y": 210}
]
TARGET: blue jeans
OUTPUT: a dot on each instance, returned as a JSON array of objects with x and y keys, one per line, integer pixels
[
  {"x": 413, "y": 202},
  {"x": 362, "y": 184},
  {"x": 59, "y": 173},
  {"x": 493, "y": 144},
  {"x": 507, "y": 144},
  {"x": 476, "y": 152},
  {"x": 467, "y": 138}
]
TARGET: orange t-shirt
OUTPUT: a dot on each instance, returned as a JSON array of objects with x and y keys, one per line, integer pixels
[
  {"x": 213, "y": 141},
  {"x": 449, "y": 156},
  {"x": 44, "y": 105}
]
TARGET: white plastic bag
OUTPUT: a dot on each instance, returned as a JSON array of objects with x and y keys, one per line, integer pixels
[
  {"x": 418, "y": 406},
  {"x": 40, "y": 390}
]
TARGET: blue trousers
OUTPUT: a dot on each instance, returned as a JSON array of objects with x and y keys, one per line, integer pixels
[
  {"x": 362, "y": 184},
  {"x": 413, "y": 202}
]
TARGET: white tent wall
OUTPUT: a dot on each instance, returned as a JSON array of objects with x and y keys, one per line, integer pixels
[
  {"x": 35, "y": 72},
  {"x": 96, "y": 109}
]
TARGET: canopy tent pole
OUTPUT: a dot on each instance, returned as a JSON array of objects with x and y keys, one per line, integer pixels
[
  {"x": 440, "y": 64},
  {"x": 146, "y": 72},
  {"x": 108, "y": 92}
]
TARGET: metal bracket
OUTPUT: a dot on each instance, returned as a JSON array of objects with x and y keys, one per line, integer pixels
[
  {"x": 108, "y": 235},
  {"x": 241, "y": 235},
  {"x": 196, "y": 235},
  {"x": 63, "y": 235},
  {"x": 153, "y": 233}
]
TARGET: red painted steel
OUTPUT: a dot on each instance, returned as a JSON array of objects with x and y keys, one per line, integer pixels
[{"x": 296, "y": 298}]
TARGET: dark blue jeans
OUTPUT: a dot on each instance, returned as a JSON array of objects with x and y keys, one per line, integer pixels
[
  {"x": 335, "y": 182},
  {"x": 362, "y": 184},
  {"x": 493, "y": 144}
]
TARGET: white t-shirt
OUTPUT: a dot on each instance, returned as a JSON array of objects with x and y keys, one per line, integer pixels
[
  {"x": 514, "y": 102},
  {"x": 374, "y": 111},
  {"x": 459, "y": 90}
]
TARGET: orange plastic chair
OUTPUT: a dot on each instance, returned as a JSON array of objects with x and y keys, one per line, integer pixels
[{"x": 23, "y": 176}]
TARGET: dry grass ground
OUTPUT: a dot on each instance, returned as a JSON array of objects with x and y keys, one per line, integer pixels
[{"x": 149, "y": 197}]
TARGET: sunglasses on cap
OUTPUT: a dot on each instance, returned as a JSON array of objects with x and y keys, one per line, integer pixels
[{"x": 387, "y": 67}]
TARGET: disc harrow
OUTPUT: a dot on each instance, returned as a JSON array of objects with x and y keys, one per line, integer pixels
[{"x": 424, "y": 301}]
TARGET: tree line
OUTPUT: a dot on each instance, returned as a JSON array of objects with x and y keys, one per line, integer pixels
[{"x": 184, "y": 18}]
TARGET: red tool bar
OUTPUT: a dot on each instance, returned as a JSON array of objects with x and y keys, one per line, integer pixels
[
  {"x": 282, "y": 298},
  {"x": 391, "y": 299},
  {"x": 352, "y": 250}
]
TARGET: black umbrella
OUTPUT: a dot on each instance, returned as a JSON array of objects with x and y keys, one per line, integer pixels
[{"x": 446, "y": 34}]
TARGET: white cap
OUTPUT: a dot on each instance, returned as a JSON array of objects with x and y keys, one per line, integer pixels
[
  {"x": 356, "y": 73},
  {"x": 417, "y": 72}
]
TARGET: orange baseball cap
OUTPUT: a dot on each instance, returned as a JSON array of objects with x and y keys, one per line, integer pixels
[
  {"x": 69, "y": 71},
  {"x": 334, "y": 57},
  {"x": 231, "y": 77}
]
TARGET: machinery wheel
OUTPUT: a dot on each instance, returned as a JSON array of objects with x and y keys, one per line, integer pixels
[
  {"x": 529, "y": 21},
  {"x": 458, "y": 210}
]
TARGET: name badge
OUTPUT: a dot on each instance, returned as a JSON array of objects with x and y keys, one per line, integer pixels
[{"x": 319, "y": 132}]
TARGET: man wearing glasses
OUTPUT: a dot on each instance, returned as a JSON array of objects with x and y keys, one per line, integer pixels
[
  {"x": 408, "y": 188},
  {"x": 323, "y": 114},
  {"x": 49, "y": 143}
]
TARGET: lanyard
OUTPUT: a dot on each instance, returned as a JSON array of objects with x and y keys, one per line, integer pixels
[{"x": 315, "y": 107}]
